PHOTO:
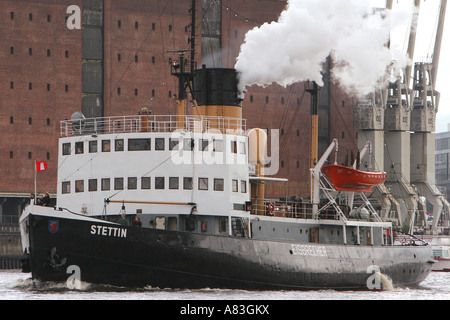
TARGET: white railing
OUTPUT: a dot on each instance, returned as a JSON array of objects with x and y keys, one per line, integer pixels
[{"x": 151, "y": 123}]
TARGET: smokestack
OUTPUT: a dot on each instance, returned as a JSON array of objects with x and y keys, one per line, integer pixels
[{"x": 216, "y": 94}]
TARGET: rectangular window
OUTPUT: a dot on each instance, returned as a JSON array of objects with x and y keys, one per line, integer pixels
[
  {"x": 93, "y": 146},
  {"x": 79, "y": 147},
  {"x": 187, "y": 183},
  {"x": 234, "y": 185},
  {"x": 138, "y": 144},
  {"x": 173, "y": 144},
  {"x": 106, "y": 184},
  {"x": 79, "y": 186},
  {"x": 242, "y": 148},
  {"x": 106, "y": 145},
  {"x": 174, "y": 183},
  {"x": 118, "y": 145},
  {"x": 218, "y": 184},
  {"x": 132, "y": 183},
  {"x": 234, "y": 146},
  {"x": 159, "y": 143},
  {"x": 243, "y": 186},
  {"x": 204, "y": 144},
  {"x": 188, "y": 144},
  {"x": 92, "y": 185},
  {"x": 118, "y": 183},
  {"x": 217, "y": 145},
  {"x": 66, "y": 149},
  {"x": 202, "y": 183},
  {"x": 66, "y": 187},
  {"x": 145, "y": 183},
  {"x": 159, "y": 183}
]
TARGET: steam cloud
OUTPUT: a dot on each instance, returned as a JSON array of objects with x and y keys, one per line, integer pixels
[{"x": 294, "y": 48}]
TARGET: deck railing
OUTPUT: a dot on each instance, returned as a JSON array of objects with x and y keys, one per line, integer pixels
[{"x": 151, "y": 123}]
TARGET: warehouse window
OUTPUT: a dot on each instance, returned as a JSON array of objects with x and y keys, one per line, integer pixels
[
  {"x": 12, "y": 15},
  {"x": 30, "y": 17},
  {"x": 30, "y": 51},
  {"x": 119, "y": 24},
  {"x": 11, "y": 50},
  {"x": 49, "y": 18}
]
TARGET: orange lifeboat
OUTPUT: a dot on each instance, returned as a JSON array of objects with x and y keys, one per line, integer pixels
[{"x": 349, "y": 179}]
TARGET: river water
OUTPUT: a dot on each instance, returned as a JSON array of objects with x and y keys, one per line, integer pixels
[{"x": 15, "y": 285}]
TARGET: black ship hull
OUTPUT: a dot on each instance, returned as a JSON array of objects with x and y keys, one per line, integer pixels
[{"x": 108, "y": 253}]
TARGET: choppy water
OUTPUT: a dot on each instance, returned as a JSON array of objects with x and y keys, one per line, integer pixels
[{"x": 15, "y": 285}]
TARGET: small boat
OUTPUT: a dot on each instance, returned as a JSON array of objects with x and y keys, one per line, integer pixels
[{"x": 349, "y": 179}]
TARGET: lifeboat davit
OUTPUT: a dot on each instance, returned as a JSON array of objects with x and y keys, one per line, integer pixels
[{"x": 349, "y": 179}]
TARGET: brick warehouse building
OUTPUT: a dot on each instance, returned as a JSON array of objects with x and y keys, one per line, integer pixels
[{"x": 118, "y": 62}]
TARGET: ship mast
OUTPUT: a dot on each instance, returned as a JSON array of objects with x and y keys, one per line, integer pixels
[{"x": 184, "y": 71}]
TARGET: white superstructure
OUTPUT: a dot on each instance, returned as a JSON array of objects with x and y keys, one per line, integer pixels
[{"x": 149, "y": 165}]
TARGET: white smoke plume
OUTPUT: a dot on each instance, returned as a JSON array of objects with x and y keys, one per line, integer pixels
[{"x": 294, "y": 48}]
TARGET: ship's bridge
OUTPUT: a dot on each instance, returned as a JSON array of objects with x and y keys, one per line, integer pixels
[{"x": 151, "y": 164}]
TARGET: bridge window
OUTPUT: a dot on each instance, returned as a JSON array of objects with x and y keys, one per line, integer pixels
[
  {"x": 187, "y": 183},
  {"x": 79, "y": 186},
  {"x": 138, "y": 144},
  {"x": 159, "y": 183},
  {"x": 218, "y": 184},
  {"x": 66, "y": 187},
  {"x": 174, "y": 183},
  {"x": 118, "y": 183},
  {"x": 145, "y": 183},
  {"x": 66, "y": 149},
  {"x": 106, "y": 184},
  {"x": 202, "y": 183}
]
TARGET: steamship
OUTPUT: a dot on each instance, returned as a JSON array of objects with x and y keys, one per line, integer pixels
[{"x": 196, "y": 185}]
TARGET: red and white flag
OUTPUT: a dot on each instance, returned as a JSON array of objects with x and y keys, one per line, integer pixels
[{"x": 41, "y": 166}]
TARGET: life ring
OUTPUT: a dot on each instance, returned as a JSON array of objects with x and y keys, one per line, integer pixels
[{"x": 270, "y": 209}]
